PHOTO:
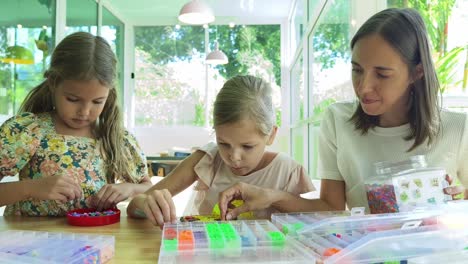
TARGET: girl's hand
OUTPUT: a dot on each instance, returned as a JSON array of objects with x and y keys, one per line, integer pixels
[
  {"x": 61, "y": 188},
  {"x": 454, "y": 191},
  {"x": 255, "y": 198},
  {"x": 111, "y": 194},
  {"x": 157, "y": 206}
]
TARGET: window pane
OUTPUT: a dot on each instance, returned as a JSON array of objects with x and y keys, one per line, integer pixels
[
  {"x": 253, "y": 50},
  {"x": 298, "y": 99},
  {"x": 26, "y": 27},
  {"x": 113, "y": 31},
  {"x": 329, "y": 58},
  {"x": 172, "y": 93},
  {"x": 170, "y": 88},
  {"x": 446, "y": 22},
  {"x": 312, "y": 7},
  {"x": 170, "y": 76},
  {"x": 299, "y": 144},
  {"x": 329, "y": 69},
  {"x": 298, "y": 25}
]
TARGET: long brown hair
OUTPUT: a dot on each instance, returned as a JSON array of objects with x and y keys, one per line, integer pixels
[
  {"x": 83, "y": 56},
  {"x": 405, "y": 31}
]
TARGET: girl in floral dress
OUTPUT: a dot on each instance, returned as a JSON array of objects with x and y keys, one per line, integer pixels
[{"x": 68, "y": 144}]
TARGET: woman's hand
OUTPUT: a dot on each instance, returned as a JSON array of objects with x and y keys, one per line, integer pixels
[
  {"x": 455, "y": 191},
  {"x": 111, "y": 194},
  {"x": 61, "y": 188},
  {"x": 255, "y": 198}
]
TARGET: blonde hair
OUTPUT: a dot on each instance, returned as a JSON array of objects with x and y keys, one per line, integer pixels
[
  {"x": 405, "y": 31},
  {"x": 83, "y": 56},
  {"x": 245, "y": 97}
]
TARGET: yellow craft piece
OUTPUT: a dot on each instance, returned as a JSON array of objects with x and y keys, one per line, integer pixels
[{"x": 245, "y": 216}]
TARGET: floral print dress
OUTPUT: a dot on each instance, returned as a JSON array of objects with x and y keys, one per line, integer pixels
[{"x": 30, "y": 146}]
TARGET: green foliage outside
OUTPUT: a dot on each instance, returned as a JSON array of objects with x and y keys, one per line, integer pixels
[
  {"x": 319, "y": 110},
  {"x": 331, "y": 42},
  {"x": 244, "y": 45},
  {"x": 167, "y": 44},
  {"x": 161, "y": 94},
  {"x": 436, "y": 14},
  {"x": 331, "y": 37},
  {"x": 250, "y": 50},
  {"x": 16, "y": 80}
]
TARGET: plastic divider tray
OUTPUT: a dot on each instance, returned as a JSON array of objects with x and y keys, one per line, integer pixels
[
  {"x": 33, "y": 247},
  {"x": 244, "y": 241},
  {"x": 386, "y": 238}
]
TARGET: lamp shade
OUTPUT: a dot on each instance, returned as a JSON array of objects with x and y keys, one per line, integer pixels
[
  {"x": 18, "y": 55},
  {"x": 216, "y": 56},
  {"x": 196, "y": 13}
]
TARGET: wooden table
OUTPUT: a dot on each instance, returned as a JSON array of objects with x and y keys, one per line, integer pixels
[{"x": 136, "y": 240}]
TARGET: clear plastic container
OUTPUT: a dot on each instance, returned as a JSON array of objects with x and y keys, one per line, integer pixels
[
  {"x": 388, "y": 238},
  {"x": 397, "y": 246},
  {"x": 243, "y": 241},
  {"x": 402, "y": 186},
  {"x": 292, "y": 223},
  {"x": 452, "y": 257},
  {"x": 44, "y": 247}
]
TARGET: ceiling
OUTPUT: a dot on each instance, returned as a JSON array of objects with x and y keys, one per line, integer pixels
[
  {"x": 163, "y": 12},
  {"x": 31, "y": 13}
]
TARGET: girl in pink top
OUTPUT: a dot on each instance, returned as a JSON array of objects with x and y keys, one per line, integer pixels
[{"x": 244, "y": 122}]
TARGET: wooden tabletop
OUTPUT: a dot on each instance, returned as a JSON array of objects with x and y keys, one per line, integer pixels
[{"x": 136, "y": 240}]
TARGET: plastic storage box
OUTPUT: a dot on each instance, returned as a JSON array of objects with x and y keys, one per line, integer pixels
[
  {"x": 245, "y": 241},
  {"x": 43, "y": 247},
  {"x": 402, "y": 186},
  {"x": 387, "y": 238},
  {"x": 292, "y": 223},
  {"x": 454, "y": 257}
]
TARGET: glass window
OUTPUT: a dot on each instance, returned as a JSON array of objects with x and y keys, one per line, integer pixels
[
  {"x": 253, "y": 50},
  {"x": 82, "y": 16},
  {"x": 446, "y": 22},
  {"x": 299, "y": 144},
  {"x": 329, "y": 59},
  {"x": 298, "y": 99},
  {"x": 329, "y": 69},
  {"x": 313, "y": 6},
  {"x": 26, "y": 40},
  {"x": 171, "y": 89},
  {"x": 170, "y": 75},
  {"x": 113, "y": 31},
  {"x": 298, "y": 24},
  {"x": 298, "y": 103}
]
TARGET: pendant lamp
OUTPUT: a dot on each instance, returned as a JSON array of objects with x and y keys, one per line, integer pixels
[
  {"x": 216, "y": 56},
  {"x": 196, "y": 12},
  {"x": 18, "y": 55}
]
